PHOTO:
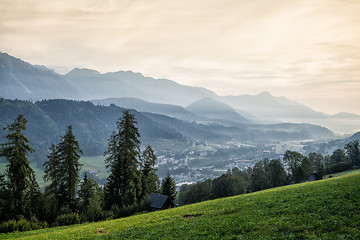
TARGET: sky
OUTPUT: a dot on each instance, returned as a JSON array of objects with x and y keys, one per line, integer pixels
[{"x": 305, "y": 50}]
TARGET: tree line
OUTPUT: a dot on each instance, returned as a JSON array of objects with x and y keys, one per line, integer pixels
[
  {"x": 66, "y": 199},
  {"x": 294, "y": 167}
]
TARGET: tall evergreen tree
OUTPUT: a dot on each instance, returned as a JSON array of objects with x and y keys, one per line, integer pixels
[
  {"x": 85, "y": 193},
  {"x": 149, "y": 179},
  {"x": 168, "y": 188},
  {"x": 53, "y": 173},
  {"x": 4, "y": 198},
  {"x": 62, "y": 168},
  {"x": 19, "y": 173},
  {"x": 123, "y": 187},
  {"x": 90, "y": 195},
  {"x": 68, "y": 154}
]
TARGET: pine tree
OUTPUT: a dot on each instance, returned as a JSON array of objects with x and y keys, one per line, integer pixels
[
  {"x": 62, "y": 169},
  {"x": 34, "y": 200},
  {"x": 90, "y": 199},
  {"x": 19, "y": 173},
  {"x": 4, "y": 198},
  {"x": 85, "y": 193},
  {"x": 68, "y": 153},
  {"x": 53, "y": 172},
  {"x": 168, "y": 188},
  {"x": 149, "y": 179},
  {"x": 122, "y": 158}
]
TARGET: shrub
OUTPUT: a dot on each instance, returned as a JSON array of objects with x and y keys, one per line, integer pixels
[
  {"x": 22, "y": 225},
  {"x": 67, "y": 219},
  {"x": 8, "y": 226},
  {"x": 94, "y": 211},
  {"x": 340, "y": 167},
  {"x": 143, "y": 206}
]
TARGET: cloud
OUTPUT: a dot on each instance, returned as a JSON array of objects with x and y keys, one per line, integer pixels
[{"x": 291, "y": 48}]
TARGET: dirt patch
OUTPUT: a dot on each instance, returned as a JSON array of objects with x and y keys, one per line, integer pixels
[{"x": 100, "y": 231}]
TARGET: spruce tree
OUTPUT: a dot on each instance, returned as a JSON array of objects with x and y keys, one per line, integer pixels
[
  {"x": 149, "y": 179},
  {"x": 62, "y": 169},
  {"x": 68, "y": 153},
  {"x": 123, "y": 186},
  {"x": 168, "y": 188},
  {"x": 90, "y": 199},
  {"x": 19, "y": 173},
  {"x": 85, "y": 192},
  {"x": 53, "y": 173},
  {"x": 4, "y": 198}
]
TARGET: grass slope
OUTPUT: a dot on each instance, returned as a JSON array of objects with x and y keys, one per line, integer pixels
[{"x": 326, "y": 209}]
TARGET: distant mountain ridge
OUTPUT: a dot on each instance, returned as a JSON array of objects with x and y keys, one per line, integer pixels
[
  {"x": 330, "y": 147},
  {"x": 21, "y": 80},
  {"x": 145, "y": 106},
  {"x": 93, "y": 124},
  {"x": 94, "y": 85},
  {"x": 267, "y": 106},
  {"x": 212, "y": 109}
]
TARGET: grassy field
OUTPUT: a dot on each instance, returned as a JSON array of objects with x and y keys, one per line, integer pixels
[
  {"x": 90, "y": 164},
  {"x": 340, "y": 173},
  {"x": 39, "y": 173},
  {"x": 326, "y": 209},
  {"x": 94, "y": 164}
]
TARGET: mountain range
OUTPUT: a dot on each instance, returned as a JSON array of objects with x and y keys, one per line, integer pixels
[
  {"x": 22, "y": 80},
  {"x": 93, "y": 124}
]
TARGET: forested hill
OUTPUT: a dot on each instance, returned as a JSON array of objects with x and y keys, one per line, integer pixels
[{"x": 93, "y": 124}]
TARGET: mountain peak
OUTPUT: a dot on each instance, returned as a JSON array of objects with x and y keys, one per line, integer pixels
[
  {"x": 212, "y": 109},
  {"x": 20, "y": 78},
  {"x": 83, "y": 72},
  {"x": 265, "y": 94}
]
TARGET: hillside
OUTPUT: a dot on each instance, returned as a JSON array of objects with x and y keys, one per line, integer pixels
[
  {"x": 265, "y": 108},
  {"x": 92, "y": 84},
  {"x": 21, "y": 80},
  {"x": 212, "y": 109},
  {"x": 330, "y": 147},
  {"x": 326, "y": 209},
  {"x": 93, "y": 124},
  {"x": 145, "y": 106}
]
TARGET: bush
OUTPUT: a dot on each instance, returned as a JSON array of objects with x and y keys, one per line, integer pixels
[
  {"x": 8, "y": 226},
  {"x": 143, "y": 206},
  {"x": 22, "y": 225},
  {"x": 94, "y": 212},
  {"x": 67, "y": 219},
  {"x": 340, "y": 167}
]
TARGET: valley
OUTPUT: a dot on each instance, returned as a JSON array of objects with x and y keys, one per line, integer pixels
[{"x": 195, "y": 133}]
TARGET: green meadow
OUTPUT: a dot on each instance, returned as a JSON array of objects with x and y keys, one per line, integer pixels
[{"x": 326, "y": 209}]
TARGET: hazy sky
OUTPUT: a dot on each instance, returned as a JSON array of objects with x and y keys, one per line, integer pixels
[{"x": 306, "y": 50}]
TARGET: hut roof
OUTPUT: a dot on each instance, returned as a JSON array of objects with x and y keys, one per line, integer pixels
[{"x": 157, "y": 200}]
